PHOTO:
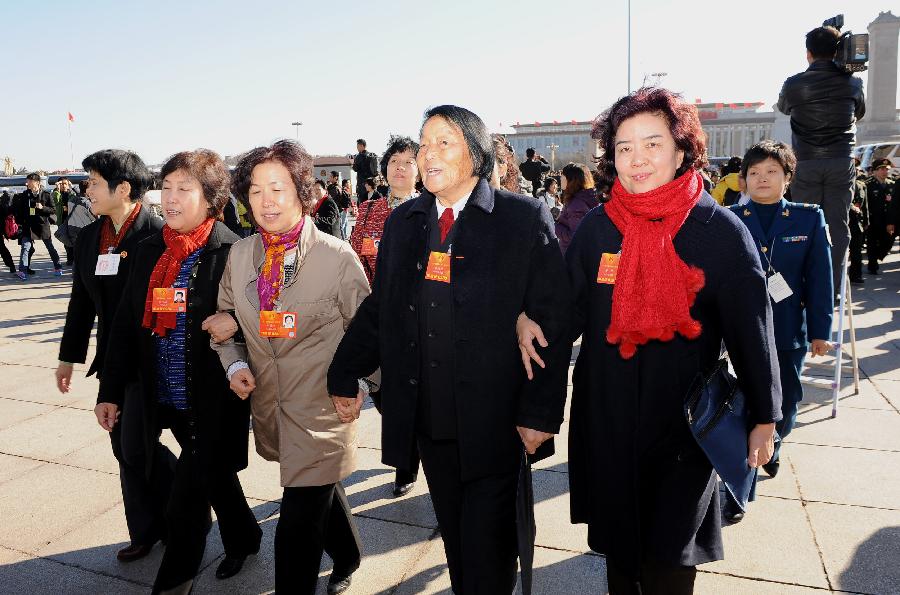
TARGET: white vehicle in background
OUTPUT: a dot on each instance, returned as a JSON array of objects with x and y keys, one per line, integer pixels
[{"x": 869, "y": 153}]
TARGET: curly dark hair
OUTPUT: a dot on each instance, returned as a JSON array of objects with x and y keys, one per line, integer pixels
[
  {"x": 288, "y": 153},
  {"x": 682, "y": 117},
  {"x": 209, "y": 170},
  {"x": 397, "y": 144},
  {"x": 506, "y": 155}
]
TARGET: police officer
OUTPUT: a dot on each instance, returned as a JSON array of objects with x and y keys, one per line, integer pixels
[
  {"x": 796, "y": 254},
  {"x": 859, "y": 221},
  {"x": 879, "y": 191}
]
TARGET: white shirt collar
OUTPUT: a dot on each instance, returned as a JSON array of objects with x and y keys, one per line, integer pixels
[{"x": 457, "y": 207}]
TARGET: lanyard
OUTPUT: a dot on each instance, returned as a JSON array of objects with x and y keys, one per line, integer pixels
[{"x": 771, "y": 250}]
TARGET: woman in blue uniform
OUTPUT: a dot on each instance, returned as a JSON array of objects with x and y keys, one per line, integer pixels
[{"x": 794, "y": 250}]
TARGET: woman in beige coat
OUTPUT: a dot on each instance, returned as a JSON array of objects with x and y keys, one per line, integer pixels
[{"x": 292, "y": 290}]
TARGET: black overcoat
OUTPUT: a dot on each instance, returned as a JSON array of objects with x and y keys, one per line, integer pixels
[
  {"x": 222, "y": 419},
  {"x": 505, "y": 260},
  {"x": 96, "y": 297},
  {"x": 637, "y": 477}
]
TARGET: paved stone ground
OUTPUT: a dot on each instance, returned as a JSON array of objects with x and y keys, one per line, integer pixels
[{"x": 830, "y": 521}]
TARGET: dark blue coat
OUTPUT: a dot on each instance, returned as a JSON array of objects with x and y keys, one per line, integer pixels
[
  {"x": 798, "y": 248},
  {"x": 637, "y": 477}
]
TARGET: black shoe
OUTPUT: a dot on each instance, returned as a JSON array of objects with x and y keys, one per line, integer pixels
[
  {"x": 873, "y": 271},
  {"x": 230, "y": 566},
  {"x": 857, "y": 280},
  {"x": 404, "y": 489},
  {"x": 772, "y": 468},
  {"x": 133, "y": 552},
  {"x": 31, "y": 271},
  {"x": 731, "y": 511},
  {"x": 338, "y": 584}
]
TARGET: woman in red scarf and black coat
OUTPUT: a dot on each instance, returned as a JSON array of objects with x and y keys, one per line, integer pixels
[
  {"x": 183, "y": 383},
  {"x": 661, "y": 275}
]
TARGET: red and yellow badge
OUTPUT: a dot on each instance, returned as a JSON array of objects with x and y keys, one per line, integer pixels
[
  {"x": 369, "y": 247},
  {"x": 438, "y": 267},
  {"x": 169, "y": 299},
  {"x": 277, "y": 325},
  {"x": 609, "y": 266}
]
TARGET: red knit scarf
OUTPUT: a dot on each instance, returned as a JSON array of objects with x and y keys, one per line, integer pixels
[
  {"x": 654, "y": 288},
  {"x": 178, "y": 247},
  {"x": 108, "y": 236}
]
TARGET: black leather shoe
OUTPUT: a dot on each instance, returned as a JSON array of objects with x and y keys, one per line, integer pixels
[
  {"x": 338, "y": 584},
  {"x": 731, "y": 511},
  {"x": 402, "y": 490},
  {"x": 133, "y": 552},
  {"x": 230, "y": 566},
  {"x": 772, "y": 468}
]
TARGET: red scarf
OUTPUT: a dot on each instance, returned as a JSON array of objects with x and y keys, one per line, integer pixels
[
  {"x": 654, "y": 288},
  {"x": 178, "y": 247},
  {"x": 108, "y": 236},
  {"x": 271, "y": 277},
  {"x": 319, "y": 204}
]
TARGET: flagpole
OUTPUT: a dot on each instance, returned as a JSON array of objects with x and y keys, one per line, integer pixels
[{"x": 71, "y": 150}]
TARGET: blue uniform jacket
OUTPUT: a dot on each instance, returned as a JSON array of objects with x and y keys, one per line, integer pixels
[{"x": 797, "y": 246}]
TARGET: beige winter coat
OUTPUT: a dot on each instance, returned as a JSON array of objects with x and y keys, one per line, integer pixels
[{"x": 294, "y": 420}]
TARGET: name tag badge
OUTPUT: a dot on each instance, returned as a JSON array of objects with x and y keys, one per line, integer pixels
[
  {"x": 169, "y": 299},
  {"x": 369, "y": 247},
  {"x": 778, "y": 288},
  {"x": 609, "y": 266},
  {"x": 277, "y": 325},
  {"x": 438, "y": 267},
  {"x": 108, "y": 264},
  {"x": 32, "y": 211}
]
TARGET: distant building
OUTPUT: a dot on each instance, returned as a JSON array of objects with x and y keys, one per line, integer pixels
[
  {"x": 572, "y": 142},
  {"x": 732, "y": 128},
  {"x": 323, "y": 165}
]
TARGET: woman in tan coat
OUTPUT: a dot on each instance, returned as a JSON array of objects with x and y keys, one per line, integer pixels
[{"x": 292, "y": 290}]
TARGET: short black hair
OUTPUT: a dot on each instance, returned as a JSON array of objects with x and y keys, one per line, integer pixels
[
  {"x": 822, "y": 42},
  {"x": 481, "y": 147},
  {"x": 371, "y": 182},
  {"x": 769, "y": 149},
  {"x": 529, "y": 152},
  {"x": 117, "y": 166},
  {"x": 34, "y": 177},
  {"x": 321, "y": 184},
  {"x": 334, "y": 174},
  {"x": 63, "y": 179},
  {"x": 361, "y": 141},
  {"x": 397, "y": 144},
  {"x": 733, "y": 166}
]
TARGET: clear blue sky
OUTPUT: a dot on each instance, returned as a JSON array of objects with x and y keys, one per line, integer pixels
[{"x": 159, "y": 77}]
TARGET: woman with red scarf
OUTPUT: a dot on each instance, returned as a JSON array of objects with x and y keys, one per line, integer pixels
[
  {"x": 292, "y": 290},
  {"x": 182, "y": 381},
  {"x": 662, "y": 276}
]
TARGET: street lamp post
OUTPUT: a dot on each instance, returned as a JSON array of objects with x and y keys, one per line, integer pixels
[
  {"x": 297, "y": 125},
  {"x": 629, "y": 47},
  {"x": 552, "y": 147}
]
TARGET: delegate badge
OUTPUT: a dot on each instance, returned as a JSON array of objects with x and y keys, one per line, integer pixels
[
  {"x": 609, "y": 266},
  {"x": 170, "y": 299},
  {"x": 438, "y": 267},
  {"x": 277, "y": 325},
  {"x": 107, "y": 264},
  {"x": 32, "y": 211},
  {"x": 369, "y": 247}
]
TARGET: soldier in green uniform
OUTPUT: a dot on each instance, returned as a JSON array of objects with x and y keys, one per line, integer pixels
[
  {"x": 859, "y": 221},
  {"x": 879, "y": 195}
]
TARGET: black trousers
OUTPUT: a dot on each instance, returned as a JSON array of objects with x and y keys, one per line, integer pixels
[
  {"x": 188, "y": 516},
  {"x": 145, "y": 498},
  {"x": 878, "y": 244},
  {"x": 8, "y": 261},
  {"x": 655, "y": 580},
  {"x": 477, "y": 520},
  {"x": 314, "y": 519},
  {"x": 857, "y": 238},
  {"x": 403, "y": 475}
]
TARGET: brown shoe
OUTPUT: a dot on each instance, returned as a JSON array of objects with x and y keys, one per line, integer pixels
[{"x": 133, "y": 552}]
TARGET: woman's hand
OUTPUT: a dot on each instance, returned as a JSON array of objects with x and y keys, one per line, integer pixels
[
  {"x": 64, "y": 377},
  {"x": 532, "y": 439},
  {"x": 221, "y": 326},
  {"x": 107, "y": 415},
  {"x": 527, "y": 331},
  {"x": 820, "y": 347},
  {"x": 761, "y": 445},
  {"x": 243, "y": 383},
  {"x": 348, "y": 408}
]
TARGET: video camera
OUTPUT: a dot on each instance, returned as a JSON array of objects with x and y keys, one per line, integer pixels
[{"x": 852, "y": 50}]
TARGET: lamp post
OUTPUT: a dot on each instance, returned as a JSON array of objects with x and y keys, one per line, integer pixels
[
  {"x": 297, "y": 125},
  {"x": 629, "y": 47},
  {"x": 552, "y": 147}
]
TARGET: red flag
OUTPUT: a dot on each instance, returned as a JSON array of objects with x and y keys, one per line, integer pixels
[
  {"x": 574, "y": 122},
  {"x": 555, "y": 122},
  {"x": 536, "y": 123},
  {"x": 71, "y": 117},
  {"x": 697, "y": 100},
  {"x": 720, "y": 105},
  {"x": 732, "y": 105}
]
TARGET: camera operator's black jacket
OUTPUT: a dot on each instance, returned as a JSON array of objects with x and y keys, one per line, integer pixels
[{"x": 823, "y": 102}]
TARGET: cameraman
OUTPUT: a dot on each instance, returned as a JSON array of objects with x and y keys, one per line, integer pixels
[{"x": 824, "y": 103}]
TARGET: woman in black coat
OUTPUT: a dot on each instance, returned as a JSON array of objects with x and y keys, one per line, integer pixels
[
  {"x": 161, "y": 344},
  {"x": 660, "y": 279},
  {"x": 456, "y": 266}
]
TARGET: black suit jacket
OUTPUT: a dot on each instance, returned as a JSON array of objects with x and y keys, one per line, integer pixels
[
  {"x": 328, "y": 218},
  {"x": 222, "y": 419},
  {"x": 505, "y": 260},
  {"x": 98, "y": 297}
]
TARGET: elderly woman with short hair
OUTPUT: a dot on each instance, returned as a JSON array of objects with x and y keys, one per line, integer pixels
[
  {"x": 159, "y": 342},
  {"x": 456, "y": 266},
  {"x": 661, "y": 275},
  {"x": 293, "y": 289}
]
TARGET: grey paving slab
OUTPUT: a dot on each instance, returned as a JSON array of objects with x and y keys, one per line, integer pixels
[
  {"x": 836, "y": 475},
  {"x": 861, "y": 548},
  {"x": 52, "y": 435},
  {"x": 45, "y": 503},
  {"x": 889, "y": 389},
  {"x": 869, "y": 397},
  {"x": 261, "y": 478},
  {"x": 37, "y": 384},
  {"x": 784, "y": 485},
  {"x": 45, "y": 577},
  {"x": 12, "y": 467},
  {"x": 29, "y": 352},
  {"x": 756, "y": 547},
  {"x": 712, "y": 583},
  {"x": 13, "y": 411},
  {"x": 96, "y": 455},
  {"x": 551, "y": 513},
  {"x": 852, "y": 427}
]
